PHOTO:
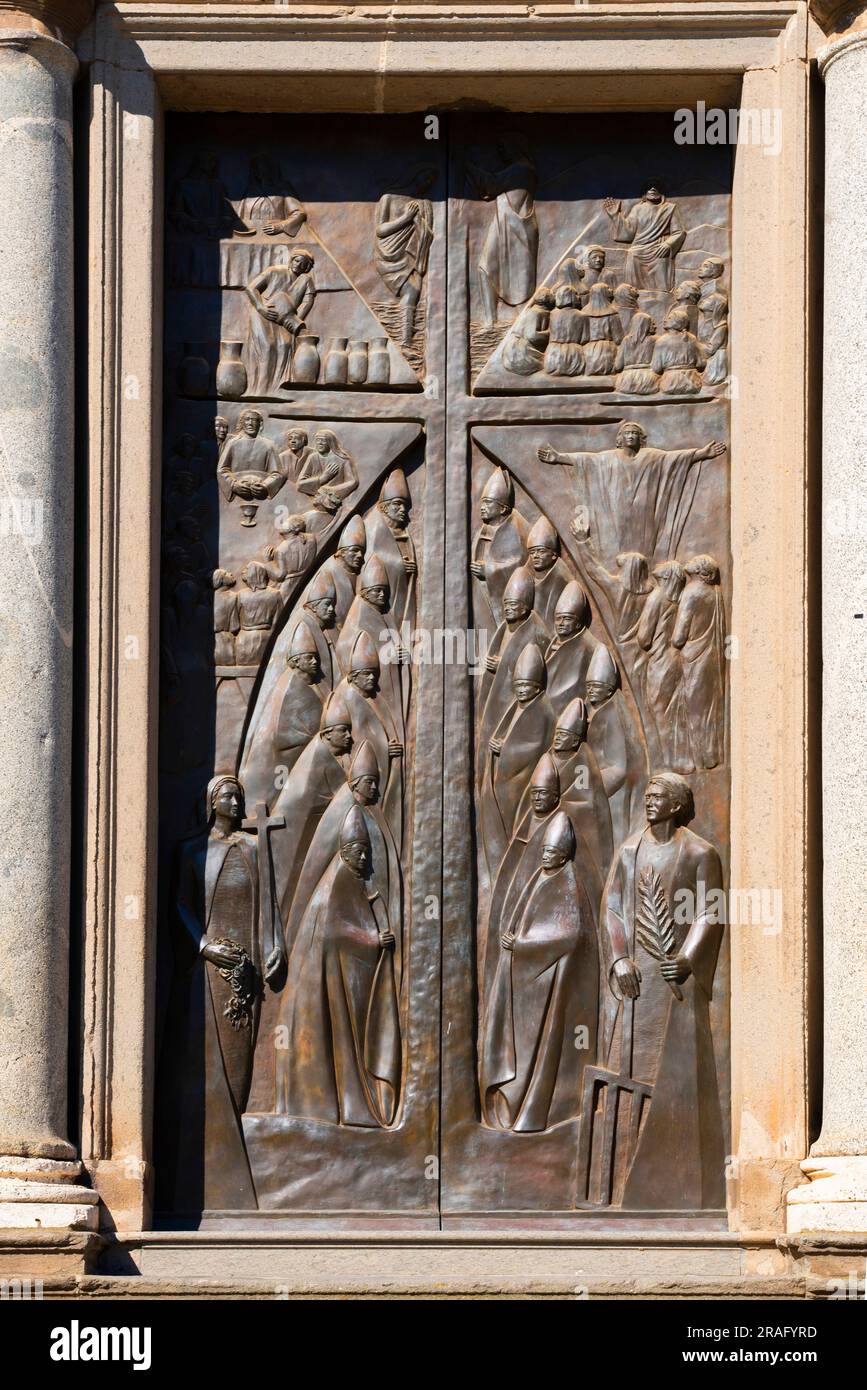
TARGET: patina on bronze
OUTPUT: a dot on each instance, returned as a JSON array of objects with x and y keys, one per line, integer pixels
[{"x": 446, "y": 578}]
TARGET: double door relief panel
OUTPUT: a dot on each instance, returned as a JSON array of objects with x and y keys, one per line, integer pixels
[{"x": 443, "y": 774}]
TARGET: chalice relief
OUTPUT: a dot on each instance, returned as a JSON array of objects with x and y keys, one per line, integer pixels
[{"x": 249, "y": 466}]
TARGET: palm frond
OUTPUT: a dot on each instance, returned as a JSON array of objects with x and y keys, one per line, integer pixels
[{"x": 654, "y": 929}]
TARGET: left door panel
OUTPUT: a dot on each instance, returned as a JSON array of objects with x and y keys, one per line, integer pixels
[{"x": 299, "y": 786}]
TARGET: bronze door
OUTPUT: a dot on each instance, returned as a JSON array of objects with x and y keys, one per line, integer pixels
[{"x": 445, "y": 576}]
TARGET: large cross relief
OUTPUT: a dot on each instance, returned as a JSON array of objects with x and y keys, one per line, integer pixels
[{"x": 441, "y": 921}]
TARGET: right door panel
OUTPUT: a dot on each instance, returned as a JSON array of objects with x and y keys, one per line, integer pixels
[{"x": 585, "y": 981}]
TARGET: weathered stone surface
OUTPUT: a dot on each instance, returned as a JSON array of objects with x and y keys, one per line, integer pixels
[{"x": 36, "y": 581}]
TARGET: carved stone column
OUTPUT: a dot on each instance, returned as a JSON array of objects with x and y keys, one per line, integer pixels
[
  {"x": 38, "y": 1166},
  {"x": 836, "y": 1196}
]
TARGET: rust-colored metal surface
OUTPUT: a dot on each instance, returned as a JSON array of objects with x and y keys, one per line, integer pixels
[{"x": 443, "y": 738}]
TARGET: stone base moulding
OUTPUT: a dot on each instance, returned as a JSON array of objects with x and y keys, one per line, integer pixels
[
  {"x": 834, "y": 1198},
  {"x": 44, "y": 1193}
]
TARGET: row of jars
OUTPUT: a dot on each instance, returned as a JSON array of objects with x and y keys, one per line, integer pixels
[{"x": 347, "y": 362}]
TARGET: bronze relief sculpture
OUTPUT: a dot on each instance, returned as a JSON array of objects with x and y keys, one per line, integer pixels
[{"x": 456, "y": 645}]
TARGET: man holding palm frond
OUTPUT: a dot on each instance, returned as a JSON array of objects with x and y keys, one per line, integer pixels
[{"x": 663, "y": 920}]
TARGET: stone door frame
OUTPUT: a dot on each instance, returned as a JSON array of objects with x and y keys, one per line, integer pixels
[{"x": 145, "y": 59}]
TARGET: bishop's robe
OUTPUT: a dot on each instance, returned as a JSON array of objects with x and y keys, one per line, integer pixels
[
  {"x": 344, "y": 581},
  {"x": 289, "y": 719},
  {"x": 584, "y": 800},
  {"x": 500, "y": 547},
  {"x": 567, "y": 660},
  {"x": 373, "y": 720},
  {"x": 393, "y": 547},
  {"x": 385, "y": 876},
  {"x": 343, "y": 1058},
  {"x": 496, "y": 692},
  {"x": 364, "y": 616},
  {"x": 309, "y": 789},
  {"x": 325, "y": 640},
  {"x": 549, "y": 587},
  {"x": 618, "y": 750},
  {"x": 546, "y": 986},
  {"x": 525, "y": 732}
]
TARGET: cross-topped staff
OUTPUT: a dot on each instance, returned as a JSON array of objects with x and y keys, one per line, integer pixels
[{"x": 262, "y": 823}]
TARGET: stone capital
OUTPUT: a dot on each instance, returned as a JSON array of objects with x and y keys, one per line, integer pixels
[
  {"x": 841, "y": 46},
  {"x": 55, "y": 19}
]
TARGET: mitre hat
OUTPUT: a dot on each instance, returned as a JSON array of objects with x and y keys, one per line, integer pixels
[
  {"x": 543, "y": 533},
  {"x": 520, "y": 588},
  {"x": 354, "y": 831},
  {"x": 573, "y": 720},
  {"x": 559, "y": 834},
  {"x": 602, "y": 669},
  {"x": 395, "y": 487},
  {"x": 335, "y": 712},
  {"x": 364, "y": 762},
  {"x": 364, "y": 656},
  {"x": 322, "y": 587},
  {"x": 545, "y": 775},
  {"x": 530, "y": 665},
  {"x": 353, "y": 533},
  {"x": 374, "y": 574},
  {"x": 499, "y": 488},
  {"x": 574, "y": 601},
  {"x": 303, "y": 642}
]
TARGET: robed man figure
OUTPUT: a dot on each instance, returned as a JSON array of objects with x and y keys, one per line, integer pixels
[
  {"x": 500, "y": 544},
  {"x": 512, "y": 753},
  {"x": 546, "y": 985},
  {"x": 664, "y": 918},
  {"x": 634, "y": 498},
  {"x": 654, "y": 233},
  {"x": 343, "y": 1059}
]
